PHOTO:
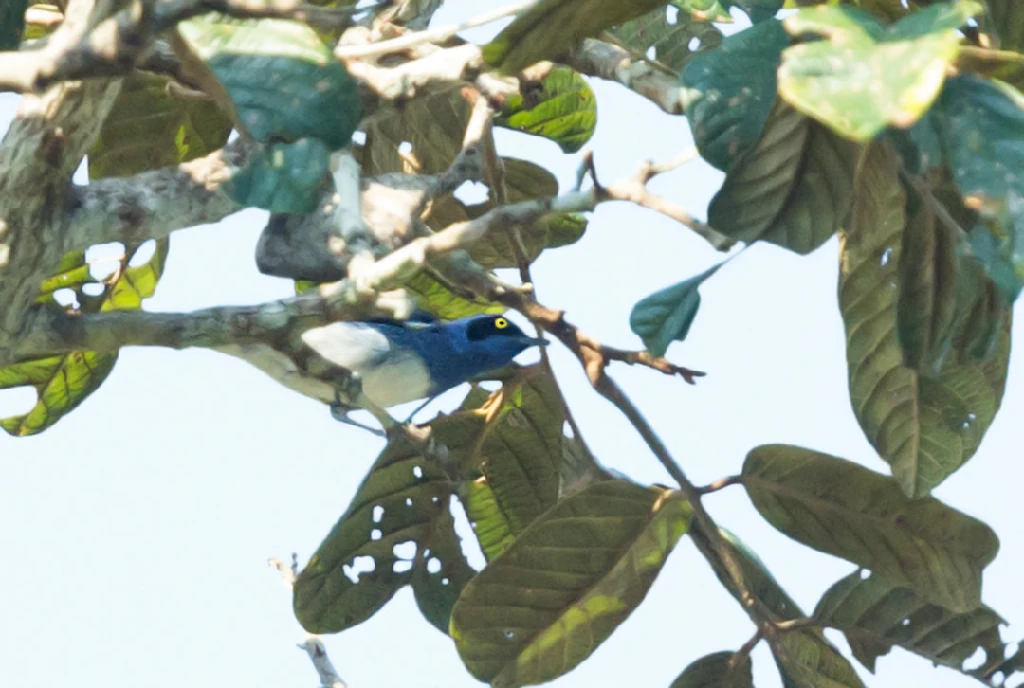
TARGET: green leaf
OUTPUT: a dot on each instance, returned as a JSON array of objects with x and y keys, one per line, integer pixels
[
  {"x": 553, "y": 27},
  {"x": 665, "y": 316},
  {"x": 704, "y": 10},
  {"x": 731, "y": 91},
  {"x": 807, "y": 660},
  {"x": 12, "y": 23},
  {"x": 282, "y": 81},
  {"x": 147, "y": 129},
  {"x": 63, "y": 382},
  {"x": 436, "y": 592},
  {"x": 285, "y": 178},
  {"x": 794, "y": 189},
  {"x": 838, "y": 507},
  {"x": 759, "y": 10},
  {"x": 402, "y": 504},
  {"x": 759, "y": 580},
  {"x": 524, "y": 181},
  {"x": 670, "y": 42},
  {"x": 559, "y": 106},
  {"x": 924, "y": 426},
  {"x": 566, "y": 583},
  {"x": 858, "y": 81},
  {"x": 876, "y": 614},
  {"x": 1005, "y": 21},
  {"x": 509, "y": 446},
  {"x": 714, "y": 671},
  {"x": 434, "y": 297}
]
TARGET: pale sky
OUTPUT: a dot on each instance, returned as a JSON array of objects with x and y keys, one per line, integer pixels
[{"x": 135, "y": 533}]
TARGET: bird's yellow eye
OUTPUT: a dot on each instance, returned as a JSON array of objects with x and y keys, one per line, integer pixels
[{"x": 501, "y": 323}]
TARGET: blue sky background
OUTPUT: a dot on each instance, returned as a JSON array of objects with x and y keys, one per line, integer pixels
[{"x": 134, "y": 534}]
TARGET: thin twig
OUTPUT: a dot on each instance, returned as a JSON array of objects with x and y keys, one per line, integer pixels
[
  {"x": 438, "y": 35},
  {"x": 720, "y": 484}
]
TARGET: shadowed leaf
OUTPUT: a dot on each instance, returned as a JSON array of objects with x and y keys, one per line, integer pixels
[
  {"x": 876, "y": 614},
  {"x": 438, "y": 580},
  {"x": 838, "y": 507},
  {"x": 12, "y": 23},
  {"x": 566, "y": 583},
  {"x": 794, "y": 189},
  {"x": 670, "y": 43},
  {"x": 1005, "y": 20},
  {"x": 553, "y": 27},
  {"x": 665, "y": 316},
  {"x": 559, "y": 106},
  {"x": 286, "y": 178},
  {"x": 925, "y": 427},
  {"x": 282, "y": 81},
  {"x": 807, "y": 660},
  {"x": 714, "y": 671}
]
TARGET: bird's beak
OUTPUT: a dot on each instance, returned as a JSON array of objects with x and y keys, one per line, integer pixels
[{"x": 538, "y": 341}]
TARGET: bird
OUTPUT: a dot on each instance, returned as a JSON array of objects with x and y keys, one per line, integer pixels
[{"x": 384, "y": 362}]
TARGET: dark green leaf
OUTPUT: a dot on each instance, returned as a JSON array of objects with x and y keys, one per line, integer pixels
[
  {"x": 793, "y": 189},
  {"x": 559, "y": 106},
  {"x": 1005, "y": 21},
  {"x": 551, "y": 28},
  {"x": 859, "y": 81},
  {"x": 12, "y": 23},
  {"x": 566, "y": 583},
  {"x": 286, "y": 178},
  {"x": 665, "y": 316},
  {"x": 876, "y": 614},
  {"x": 282, "y": 81},
  {"x": 669, "y": 41},
  {"x": 759, "y": 10},
  {"x": 714, "y": 671},
  {"x": 402, "y": 502},
  {"x": 510, "y": 448},
  {"x": 437, "y": 591},
  {"x": 925, "y": 427},
  {"x": 807, "y": 660},
  {"x": 147, "y": 129},
  {"x": 838, "y": 507},
  {"x": 731, "y": 91},
  {"x": 759, "y": 581}
]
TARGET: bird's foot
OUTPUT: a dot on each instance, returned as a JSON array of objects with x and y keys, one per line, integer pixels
[{"x": 340, "y": 411}]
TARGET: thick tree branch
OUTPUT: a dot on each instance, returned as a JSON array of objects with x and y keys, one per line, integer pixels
[{"x": 610, "y": 62}]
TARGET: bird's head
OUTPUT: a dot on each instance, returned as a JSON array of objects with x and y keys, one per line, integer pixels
[{"x": 493, "y": 340}]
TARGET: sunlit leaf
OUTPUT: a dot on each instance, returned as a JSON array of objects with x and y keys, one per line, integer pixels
[
  {"x": 838, "y": 507},
  {"x": 559, "y": 106},
  {"x": 566, "y": 583},
  {"x": 665, "y": 316}
]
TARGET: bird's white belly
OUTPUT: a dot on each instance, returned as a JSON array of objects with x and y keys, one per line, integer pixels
[{"x": 403, "y": 379}]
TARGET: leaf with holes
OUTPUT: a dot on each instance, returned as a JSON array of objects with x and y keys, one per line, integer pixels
[
  {"x": 63, "y": 382},
  {"x": 925, "y": 427},
  {"x": 838, "y": 507},
  {"x": 864, "y": 79},
  {"x": 566, "y": 583},
  {"x": 402, "y": 504},
  {"x": 147, "y": 129},
  {"x": 524, "y": 181},
  {"x": 794, "y": 189},
  {"x": 715, "y": 671},
  {"x": 552, "y": 27},
  {"x": 759, "y": 10},
  {"x": 438, "y": 581},
  {"x": 557, "y": 104},
  {"x": 705, "y": 10},
  {"x": 653, "y": 38},
  {"x": 807, "y": 660},
  {"x": 665, "y": 316},
  {"x": 731, "y": 90},
  {"x": 12, "y": 23},
  {"x": 275, "y": 76},
  {"x": 876, "y": 614},
  {"x": 286, "y": 178},
  {"x": 510, "y": 450}
]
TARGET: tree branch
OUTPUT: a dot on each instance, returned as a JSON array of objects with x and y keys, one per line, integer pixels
[{"x": 612, "y": 63}]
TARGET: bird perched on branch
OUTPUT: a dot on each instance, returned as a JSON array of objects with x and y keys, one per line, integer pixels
[{"x": 382, "y": 363}]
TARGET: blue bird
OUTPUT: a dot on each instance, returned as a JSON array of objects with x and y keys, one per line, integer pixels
[{"x": 398, "y": 362}]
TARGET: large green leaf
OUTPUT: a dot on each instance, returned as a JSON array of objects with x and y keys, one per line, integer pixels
[
  {"x": 731, "y": 91},
  {"x": 285, "y": 178},
  {"x": 717, "y": 670},
  {"x": 510, "y": 450},
  {"x": 1005, "y": 19},
  {"x": 759, "y": 10},
  {"x": 436, "y": 298},
  {"x": 838, "y": 507},
  {"x": 667, "y": 45},
  {"x": 12, "y": 23},
  {"x": 924, "y": 426},
  {"x": 559, "y": 106},
  {"x": 147, "y": 129},
  {"x": 807, "y": 660},
  {"x": 380, "y": 544},
  {"x": 63, "y": 382},
  {"x": 665, "y": 316},
  {"x": 876, "y": 614},
  {"x": 282, "y": 81},
  {"x": 552, "y": 27},
  {"x": 794, "y": 189},
  {"x": 566, "y": 583},
  {"x": 859, "y": 80}
]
